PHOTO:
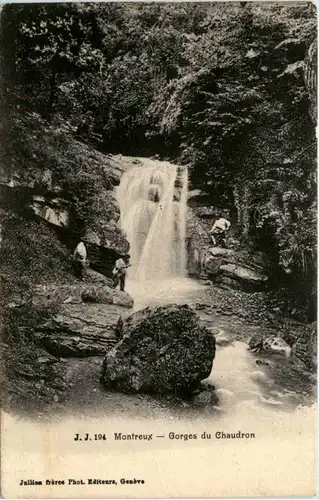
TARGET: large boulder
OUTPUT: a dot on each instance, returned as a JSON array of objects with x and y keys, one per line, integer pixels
[
  {"x": 163, "y": 350},
  {"x": 79, "y": 331}
]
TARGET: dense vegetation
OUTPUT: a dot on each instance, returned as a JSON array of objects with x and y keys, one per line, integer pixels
[{"x": 217, "y": 86}]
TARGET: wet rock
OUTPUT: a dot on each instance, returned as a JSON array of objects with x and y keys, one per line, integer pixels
[
  {"x": 199, "y": 306},
  {"x": 271, "y": 401},
  {"x": 212, "y": 266},
  {"x": 106, "y": 235},
  {"x": 81, "y": 331},
  {"x": 225, "y": 394},
  {"x": 207, "y": 384},
  {"x": 222, "y": 339},
  {"x": 262, "y": 362},
  {"x": 193, "y": 194},
  {"x": 206, "y": 397},
  {"x": 256, "y": 342},
  {"x": 122, "y": 299},
  {"x": 47, "y": 359},
  {"x": 269, "y": 344},
  {"x": 276, "y": 345},
  {"x": 226, "y": 253},
  {"x": 256, "y": 259},
  {"x": 163, "y": 350},
  {"x": 259, "y": 376}
]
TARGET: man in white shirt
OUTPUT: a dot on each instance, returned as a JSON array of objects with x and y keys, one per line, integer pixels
[
  {"x": 80, "y": 260},
  {"x": 219, "y": 229},
  {"x": 119, "y": 271}
]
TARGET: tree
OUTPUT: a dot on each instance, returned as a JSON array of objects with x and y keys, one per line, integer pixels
[{"x": 46, "y": 44}]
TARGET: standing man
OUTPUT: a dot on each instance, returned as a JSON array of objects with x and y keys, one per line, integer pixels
[
  {"x": 119, "y": 271},
  {"x": 219, "y": 229},
  {"x": 80, "y": 260}
]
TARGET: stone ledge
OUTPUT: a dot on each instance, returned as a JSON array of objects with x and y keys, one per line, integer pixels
[
  {"x": 79, "y": 330},
  {"x": 79, "y": 294}
]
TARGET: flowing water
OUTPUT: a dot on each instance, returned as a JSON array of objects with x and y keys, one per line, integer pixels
[
  {"x": 153, "y": 218},
  {"x": 153, "y": 204}
]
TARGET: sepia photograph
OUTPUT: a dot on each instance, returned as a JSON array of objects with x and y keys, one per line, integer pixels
[{"x": 158, "y": 249}]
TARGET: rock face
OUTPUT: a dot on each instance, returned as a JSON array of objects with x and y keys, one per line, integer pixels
[
  {"x": 228, "y": 267},
  {"x": 198, "y": 242},
  {"x": 201, "y": 216},
  {"x": 81, "y": 331},
  {"x": 163, "y": 350},
  {"x": 81, "y": 293},
  {"x": 92, "y": 276},
  {"x": 35, "y": 379},
  {"x": 104, "y": 231},
  {"x": 81, "y": 204},
  {"x": 237, "y": 269},
  {"x": 53, "y": 210},
  {"x": 84, "y": 319}
]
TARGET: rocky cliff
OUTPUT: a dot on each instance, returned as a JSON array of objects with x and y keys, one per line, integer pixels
[
  {"x": 64, "y": 187},
  {"x": 55, "y": 190}
]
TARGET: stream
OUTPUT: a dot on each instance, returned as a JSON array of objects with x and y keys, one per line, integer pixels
[
  {"x": 246, "y": 383},
  {"x": 242, "y": 378}
]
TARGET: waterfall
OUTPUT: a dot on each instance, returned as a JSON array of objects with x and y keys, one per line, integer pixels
[{"x": 153, "y": 207}]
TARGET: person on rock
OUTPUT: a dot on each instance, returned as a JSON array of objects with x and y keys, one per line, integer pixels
[
  {"x": 119, "y": 271},
  {"x": 219, "y": 229},
  {"x": 80, "y": 260}
]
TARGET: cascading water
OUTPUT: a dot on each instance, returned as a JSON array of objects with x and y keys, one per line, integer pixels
[
  {"x": 153, "y": 209},
  {"x": 153, "y": 204}
]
